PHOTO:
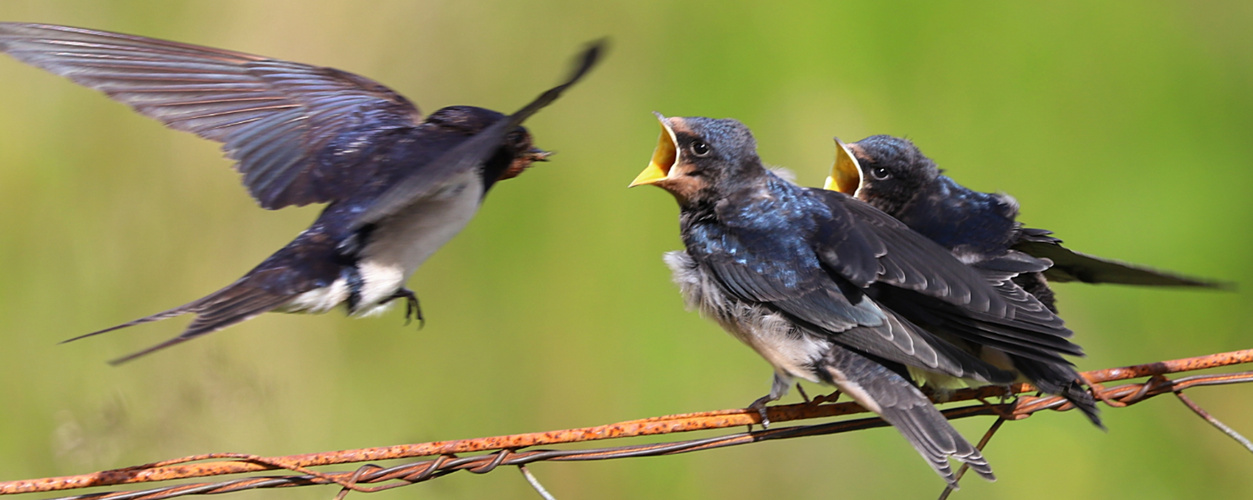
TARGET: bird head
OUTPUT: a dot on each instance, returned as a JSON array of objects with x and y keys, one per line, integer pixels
[
  {"x": 881, "y": 170},
  {"x": 518, "y": 146},
  {"x": 697, "y": 158},
  {"x": 515, "y": 154}
]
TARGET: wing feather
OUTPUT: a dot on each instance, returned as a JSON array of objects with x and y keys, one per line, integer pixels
[{"x": 274, "y": 117}]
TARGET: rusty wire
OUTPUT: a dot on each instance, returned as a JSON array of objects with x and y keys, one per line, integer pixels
[{"x": 509, "y": 450}]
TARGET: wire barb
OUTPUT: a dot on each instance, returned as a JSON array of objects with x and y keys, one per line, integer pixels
[
  {"x": 489, "y": 453},
  {"x": 539, "y": 488},
  {"x": 961, "y": 471},
  {"x": 1214, "y": 421}
]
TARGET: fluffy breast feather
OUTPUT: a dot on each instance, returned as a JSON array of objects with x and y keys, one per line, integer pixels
[{"x": 790, "y": 351}]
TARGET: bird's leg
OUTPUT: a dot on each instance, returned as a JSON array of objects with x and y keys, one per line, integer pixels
[
  {"x": 412, "y": 307},
  {"x": 803, "y": 395},
  {"x": 777, "y": 390}
]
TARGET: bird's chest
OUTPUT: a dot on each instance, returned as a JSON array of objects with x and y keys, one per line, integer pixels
[
  {"x": 400, "y": 244},
  {"x": 789, "y": 350}
]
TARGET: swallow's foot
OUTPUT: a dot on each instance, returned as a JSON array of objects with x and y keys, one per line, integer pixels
[
  {"x": 760, "y": 406},
  {"x": 412, "y": 308}
]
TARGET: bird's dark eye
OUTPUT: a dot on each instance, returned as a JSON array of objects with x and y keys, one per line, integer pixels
[
  {"x": 880, "y": 173},
  {"x": 699, "y": 148}
]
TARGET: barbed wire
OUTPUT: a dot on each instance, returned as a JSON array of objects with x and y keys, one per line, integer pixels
[{"x": 511, "y": 450}]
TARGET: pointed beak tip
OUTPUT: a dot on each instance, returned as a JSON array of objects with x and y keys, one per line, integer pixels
[
  {"x": 650, "y": 175},
  {"x": 845, "y": 171},
  {"x": 537, "y": 154}
]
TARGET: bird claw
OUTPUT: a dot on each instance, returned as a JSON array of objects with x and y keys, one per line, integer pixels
[
  {"x": 760, "y": 406},
  {"x": 412, "y": 308}
]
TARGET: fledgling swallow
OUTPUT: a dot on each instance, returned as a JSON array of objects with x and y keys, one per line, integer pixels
[
  {"x": 894, "y": 176},
  {"x": 397, "y": 185},
  {"x": 829, "y": 289}
]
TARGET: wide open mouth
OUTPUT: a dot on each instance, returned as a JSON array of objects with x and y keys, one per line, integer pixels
[
  {"x": 664, "y": 156},
  {"x": 845, "y": 173}
]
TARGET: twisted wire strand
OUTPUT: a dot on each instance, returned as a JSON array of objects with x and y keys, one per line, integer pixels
[{"x": 510, "y": 450}]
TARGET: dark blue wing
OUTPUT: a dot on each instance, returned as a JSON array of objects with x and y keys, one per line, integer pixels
[
  {"x": 764, "y": 269},
  {"x": 924, "y": 282},
  {"x": 472, "y": 152},
  {"x": 274, "y": 117}
]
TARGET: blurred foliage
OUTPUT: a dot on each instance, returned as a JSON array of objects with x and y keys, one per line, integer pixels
[{"x": 1123, "y": 126}]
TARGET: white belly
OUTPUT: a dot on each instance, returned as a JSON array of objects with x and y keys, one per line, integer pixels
[
  {"x": 401, "y": 243},
  {"x": 397, "y": 247}
]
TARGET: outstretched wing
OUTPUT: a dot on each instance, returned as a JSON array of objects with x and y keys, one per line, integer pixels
[
  {"x": 470, "y": 153},
  {"x": 275, "y": 118}
]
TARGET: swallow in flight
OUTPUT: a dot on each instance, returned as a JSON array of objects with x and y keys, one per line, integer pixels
[{"x": 397, "y": 185}]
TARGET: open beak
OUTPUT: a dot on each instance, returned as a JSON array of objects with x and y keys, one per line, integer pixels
[
  {"x": 845, "y": 173},
  {"x": 664, "y": 157}
]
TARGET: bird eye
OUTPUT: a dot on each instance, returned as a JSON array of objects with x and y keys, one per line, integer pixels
[
  {"x": 880, "y": 173},
  {"x": 699, "y": 148}
]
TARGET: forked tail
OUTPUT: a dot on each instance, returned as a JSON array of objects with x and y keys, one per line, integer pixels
[
  {"x": 898, "y": 401},
  {"x": 237, "y": 302}
]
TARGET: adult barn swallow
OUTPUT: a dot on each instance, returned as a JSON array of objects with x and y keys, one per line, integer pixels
[
  {"x": 831, "y": 290},
  {"x": 397, "y": 185},
  {"x": 891, "y": 174}
]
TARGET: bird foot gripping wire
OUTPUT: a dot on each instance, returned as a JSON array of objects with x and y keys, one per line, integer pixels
[{"x": 760, "y": 406}]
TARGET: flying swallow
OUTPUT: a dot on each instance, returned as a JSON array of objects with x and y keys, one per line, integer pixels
[
  {"x": 891, "y": 174},
  {"x": 831, "y": 290},
  {"x": 397, "y": 185}
]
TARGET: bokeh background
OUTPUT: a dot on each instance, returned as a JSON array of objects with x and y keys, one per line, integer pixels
[{"x": 1125, "y": 127}]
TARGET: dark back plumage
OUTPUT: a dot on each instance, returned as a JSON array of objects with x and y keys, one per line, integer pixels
[
  {"x": 397, "y": 186},
  {"x": 828, "y": 288}
]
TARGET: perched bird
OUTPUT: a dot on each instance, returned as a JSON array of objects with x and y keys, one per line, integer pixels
[
  {"x": 894, "y": 176},
  {"x": 397, "y": 185},
  {"x": 981, "y": 229},
  {"x": 829, "y": 289}
]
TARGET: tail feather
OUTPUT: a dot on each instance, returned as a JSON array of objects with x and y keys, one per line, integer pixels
[
  {"x": 167, "y": 314},
  {"x": 1062, "y": 380},
  {"x": 899, "y": 402},
  {"x": 238, "y": 302},
  {"x": 248, "y": 303},
  {"x": 1069, "y": 265}
]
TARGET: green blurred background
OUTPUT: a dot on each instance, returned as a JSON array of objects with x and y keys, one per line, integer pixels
[{"x": 1124, "y": 127}]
